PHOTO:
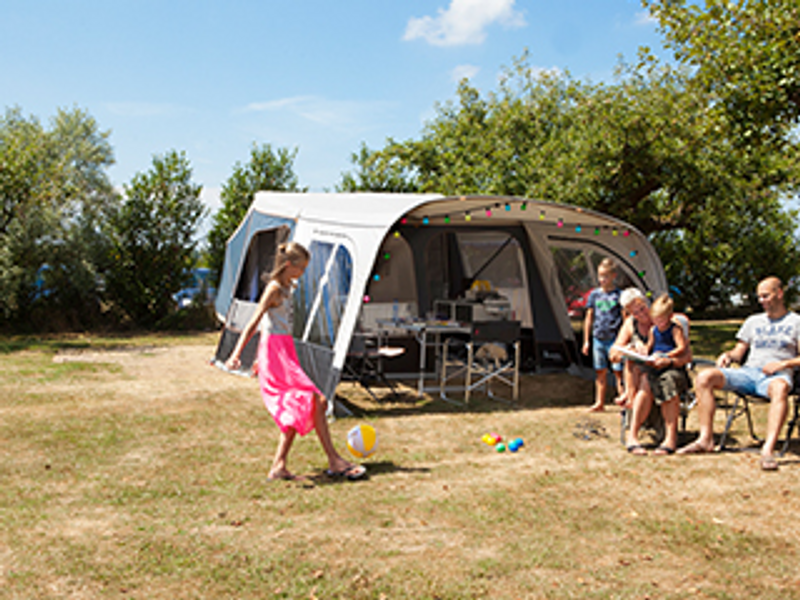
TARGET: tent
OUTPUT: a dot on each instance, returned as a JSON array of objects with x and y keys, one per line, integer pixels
[{"x": 377, "y": 256}]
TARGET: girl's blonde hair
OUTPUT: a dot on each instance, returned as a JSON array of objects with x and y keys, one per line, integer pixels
[
  {"x": 288, "y": 253},
  {"x": 663, "y": 305}
]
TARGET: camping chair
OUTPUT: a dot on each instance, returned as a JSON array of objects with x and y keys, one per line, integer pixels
[
  {"x": 364, "y": 361},
  {"x": 486, "y": 360},
  {"x": 741, "y": 407}
]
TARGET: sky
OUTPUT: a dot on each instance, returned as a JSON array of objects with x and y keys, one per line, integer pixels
[{"x": 213, "y": 78}]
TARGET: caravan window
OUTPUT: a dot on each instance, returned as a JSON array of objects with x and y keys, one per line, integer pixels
[
  {"x": 392, "y": 283},
  {"x": 576, "y": 266},
  {"x": 393, "y": 273},
  {"x": 497, "y": 257},
  {"x": 258, "y": 263},
  {"x": 322, "y": 293}
]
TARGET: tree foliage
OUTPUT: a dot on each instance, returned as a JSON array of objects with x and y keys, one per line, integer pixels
[
  {"x": 152, "y": 239},
  {"x": 745, "y": 53},
  {"x": 648, "y": 148},
  {"x": 53, "y": 187},
  {"x": 266, "y": 170}
]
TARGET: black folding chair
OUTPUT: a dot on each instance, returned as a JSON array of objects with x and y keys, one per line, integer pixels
[
  {"x": 490, "y": 355},
  {"x": 364, "y": 362},
  {"x": 741, "y": 406}
]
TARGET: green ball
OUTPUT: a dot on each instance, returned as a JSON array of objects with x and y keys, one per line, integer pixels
[{"x": 501, "y": 447}]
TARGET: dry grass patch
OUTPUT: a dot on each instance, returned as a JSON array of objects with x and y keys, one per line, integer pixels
[{"x": 131, "y": 472}]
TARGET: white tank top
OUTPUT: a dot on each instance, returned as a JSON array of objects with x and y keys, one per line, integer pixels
[{"x": 278, "y": 320}]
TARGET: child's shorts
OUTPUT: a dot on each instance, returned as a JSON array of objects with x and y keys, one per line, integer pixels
[
  {"x": 667, "y": 383},
  {"x": 600, "y": 359}
]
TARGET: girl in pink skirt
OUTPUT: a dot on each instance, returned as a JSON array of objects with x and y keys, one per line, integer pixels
[{"x": 290, "y": 396}]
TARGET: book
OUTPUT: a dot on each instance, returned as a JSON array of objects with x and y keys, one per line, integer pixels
[{"x": 636, "y": 356}]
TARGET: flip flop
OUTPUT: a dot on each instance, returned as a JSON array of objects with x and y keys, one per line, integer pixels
[
  {"x": 351, "y": 473},
  {"x": 694, "y": 448},
  {"x": 768, "y": 463},
  {"x": 664, "y": 451},
  {"x": 637, "y": 450}
]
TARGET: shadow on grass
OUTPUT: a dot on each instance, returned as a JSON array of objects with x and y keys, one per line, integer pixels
[
  {"x": 553, "y": 390},
  {"x": 374, "y": 469}
]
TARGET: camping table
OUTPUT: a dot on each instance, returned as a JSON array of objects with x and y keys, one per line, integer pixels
[{"x": 427, "y": 333}]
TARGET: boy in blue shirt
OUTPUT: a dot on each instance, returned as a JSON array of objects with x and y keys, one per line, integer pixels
[{"x": 602, "y": 322}]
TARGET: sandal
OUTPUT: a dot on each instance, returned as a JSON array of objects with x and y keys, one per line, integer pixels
[
  {"x": 664, "y": 451},
  {"x": 768, "y": 463},
  {"x": 637, "y": 450},
  {"x": 351, "y": 473}
]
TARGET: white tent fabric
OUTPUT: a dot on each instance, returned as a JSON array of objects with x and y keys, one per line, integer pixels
[{"x": 347, "y": 233}]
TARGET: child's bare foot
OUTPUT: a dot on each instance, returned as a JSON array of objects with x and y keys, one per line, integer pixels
[
  {"x": 282, "y": 475},
  {"x": 597, "y": 408}
]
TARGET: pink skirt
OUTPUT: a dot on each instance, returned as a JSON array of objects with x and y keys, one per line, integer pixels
[{"x": 287, "y": 391}]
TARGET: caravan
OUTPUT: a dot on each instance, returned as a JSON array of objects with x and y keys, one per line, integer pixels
[{"x": 378, "y": 258}]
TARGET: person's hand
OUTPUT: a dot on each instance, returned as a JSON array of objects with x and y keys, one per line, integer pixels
[
  {"x": 724, "y": 360},
  {"x": 614, "y": 355},
  {"x": 585, "y": 349},
  {"x": 772, "y": 368},
  {"x": 661, "y": 362},
  {"x": 233, "y": 363}
]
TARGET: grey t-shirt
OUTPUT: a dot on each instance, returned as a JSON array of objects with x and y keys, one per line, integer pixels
[{"x": 770, "y": 340}]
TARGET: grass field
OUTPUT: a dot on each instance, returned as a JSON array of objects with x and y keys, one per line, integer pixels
[{"x": 132, "y": 469}]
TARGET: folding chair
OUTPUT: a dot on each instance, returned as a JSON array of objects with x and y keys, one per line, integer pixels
[
  {"x": 364, "y": 361},
  {"x": 741, "y": 406},
  {"x": 486, "y": 359}
]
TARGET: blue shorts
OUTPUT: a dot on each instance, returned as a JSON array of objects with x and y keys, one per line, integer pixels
[
  {"x": 751, "y": 381},
  {"x": 600, "y": 350}
]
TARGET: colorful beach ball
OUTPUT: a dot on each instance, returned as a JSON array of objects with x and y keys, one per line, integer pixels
[{"x": 362, "y": 441}]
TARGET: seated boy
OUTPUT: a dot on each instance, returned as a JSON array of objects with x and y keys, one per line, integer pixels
[{"x": 667, "y": 342}]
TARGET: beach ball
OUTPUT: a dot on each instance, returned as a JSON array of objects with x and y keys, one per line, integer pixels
[{"x": 362, "y": 441}]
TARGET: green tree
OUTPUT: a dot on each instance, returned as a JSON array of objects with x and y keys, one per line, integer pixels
[
  {"x": 746, "y": 55},
  {"x": 53, "y": 185},
  {"x": 266, "y": 170},
  {"x": 375, "y": 175},
  {"x": 152, "y": 239},
  {"x": 647, "y": 148}
]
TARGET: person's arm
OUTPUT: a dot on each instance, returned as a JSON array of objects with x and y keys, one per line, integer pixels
[
  {"x": 651, "y": 339},
  {"x": 587, "y": 329},
  {"x": 269, "y": 299},
  {"x": 680, "y": 355},
  {"x": 624, "y": 337},
  {"x": 731, "y": 356},
  {"x": 781, "y": 365}
]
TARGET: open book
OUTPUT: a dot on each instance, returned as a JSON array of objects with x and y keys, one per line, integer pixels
[{"x": 636, "y": 356}]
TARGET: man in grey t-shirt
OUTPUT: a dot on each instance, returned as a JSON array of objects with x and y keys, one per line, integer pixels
[{"x": 773, "y": 341}]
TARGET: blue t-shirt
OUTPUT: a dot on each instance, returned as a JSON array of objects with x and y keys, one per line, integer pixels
[
  {"x": 607, "y": 313},
  {"x": 664, "y": 341}
]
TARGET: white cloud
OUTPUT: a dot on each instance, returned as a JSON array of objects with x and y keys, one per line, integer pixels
[
  {"x": 463, "y": 22},
  {"x": 464, "y": 72}
]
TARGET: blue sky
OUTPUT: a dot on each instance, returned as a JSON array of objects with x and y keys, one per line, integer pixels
[{"x": 212, "y": 78}]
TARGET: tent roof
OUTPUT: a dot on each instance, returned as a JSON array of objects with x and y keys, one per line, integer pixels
[{"x": 382, "y": 210}]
